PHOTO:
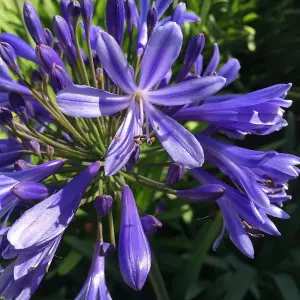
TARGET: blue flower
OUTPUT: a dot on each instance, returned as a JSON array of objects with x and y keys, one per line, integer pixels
[
  {"x": 95, "y": 285},
  {"x": 83, "y": 101}
]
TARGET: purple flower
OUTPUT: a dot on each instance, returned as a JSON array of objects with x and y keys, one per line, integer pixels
[
  {"x": 115, "y": 19},
  {"x": 134, "y": 250},
  {"x": 103, "y": 204},
  {"x": 82, "y": 101},
  {"x": 150, "y": 224},
  {"x": 33, "y": 24},
  {"x": 22, "y": 277},
  {"x": 175, "y": 173},
  {"x": 51, "y": 216},
  {"x": 258, "y": 112},
  {"x": 258, "y": 173},
  {"x": 241, "y": 215},
  {"x": 8, "y": 180},
  {"x": 95, "y": 285}
]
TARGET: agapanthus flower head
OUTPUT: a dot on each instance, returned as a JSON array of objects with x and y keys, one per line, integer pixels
[{"x": 94, "y": 116}]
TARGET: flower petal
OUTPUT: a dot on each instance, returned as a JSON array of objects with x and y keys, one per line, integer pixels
[
  {"x": 122, "y": 145},
  {"x": 162, "y": 6},
  {"x": 21, "y": 48},
  {"x": 213, "y": 64},
  {"x": 236, "y": 231},
  {"x": 230, "y": 70},
  {"x": 88, "y": 102},
  {"x": 162, "y": 50},
  {"x": 181, "y": 145},
  {"x": 48, "y": 219},
  {"x": 114, "y": 62},
  {"x": 187, "y": 91}
]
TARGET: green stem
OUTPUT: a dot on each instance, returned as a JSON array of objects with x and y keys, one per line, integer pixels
[
  {"x": 88, "y": 38},
  {"x": 80, "y": 59},
  {"x": 157, "y": 281},
  {"x": 136, "y": 178}
]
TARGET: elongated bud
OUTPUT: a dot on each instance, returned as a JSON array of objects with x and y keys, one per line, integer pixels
[
  {"x": 49, "y": 37},
  {"x": 87, "y": 11},
  {"x": 33, "y": 146},
  {"x": 134, "y": 250},
  {"x": 47, "y": 57},
  {"x": 175, "y": 173},
  {"x": 6, "y": 117},
  {"x": 20, "y": 165},
  {"x": 18, "y": 105},
  {"x": 8, "y": 55},
  {"x": 64, "y": 8},
  {"x": 59, "y": 78},
  {"x": 115, "y": 19},
  {"x": 73, "y": 13},
  {"x": 193, "y": 51},
  {"x": 58, "y": 49},
  {"x": 152, "y": 19},
  {"x": 133, "y": 158},
  {"x": 63, "y": 34},
  {"x": 33, "y": 23},
  {"x": 131, "y": 14},
  {"x": 206, "y": 192},
  {"x": 28, "y": 190},
  {"x": 103, "y": 204},
  {"x": 160, "y": 207},
  {"x": 36, "y": 78},
  {"x": 150, "y": 224}
]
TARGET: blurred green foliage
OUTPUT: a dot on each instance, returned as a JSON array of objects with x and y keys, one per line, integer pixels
[{"x": 265, "y": 37}]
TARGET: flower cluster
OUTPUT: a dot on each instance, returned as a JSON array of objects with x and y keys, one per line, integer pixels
[{"x": 78, "y": 126}]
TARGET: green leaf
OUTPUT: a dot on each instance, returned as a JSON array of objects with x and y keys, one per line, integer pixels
[
  {"x": 287, "y": 286},
  {"x": 241, "y": 282},
  {"x": 205, "y": 7},
  {"x": 192, "y": 268},
  {"x": 69, "y": 263}
]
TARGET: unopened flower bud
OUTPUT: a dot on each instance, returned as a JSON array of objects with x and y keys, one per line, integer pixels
[
  {"x": 133, "y": 243},
  {"x": 175, "y": 173},
  {"x": 47, "y": 57},
  {"x": 133, "y": 158},
  {"x": 131, "y": 14},
  {"x": 64, "y": 8},
  {"x": 152, "y": 19},
  {"x": 59, "y": 78},
  {"x": 50, "y": 151},
  {"x": 150, "y": 224},
  {"x": 74, "y": 11},
  {"x": 193, "y": 51},
  {"x": 20, "y": 165},
  {"x": 28, "y": 190},
  {"x": 103, "y": 204},
  {"x": 8, "y": 55},
  {"x": 87, "y": 11},
  {"x": 63, "y": 34},
  {"x": 208, "y": 192},
  {"x": 160, "y": 207},
  {"x": 16, "y": 102},
  {"x": 33, "y": 146},
  {"x": 6, "y": 117},
  {"x": 36, "y": 78},
  {"x": 49, "y": 37},
  {"x": 58, "y": 49},
  {"x": 33, "y": 23},
  {"x": 115, "y": 19}
]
